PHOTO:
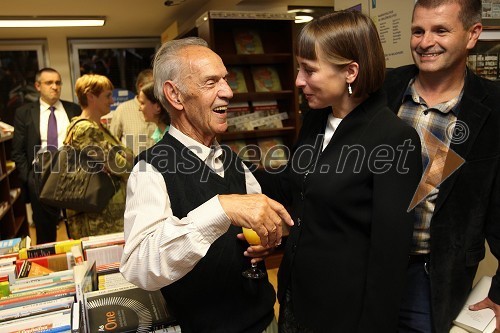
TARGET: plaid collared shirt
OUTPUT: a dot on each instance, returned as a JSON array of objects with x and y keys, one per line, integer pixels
[{"x": 440, "y": 121}]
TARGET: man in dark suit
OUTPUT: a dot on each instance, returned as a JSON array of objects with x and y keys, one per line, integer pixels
[
  {"x": 33, "y": 133},
  {"x": 440, "y": 94}
]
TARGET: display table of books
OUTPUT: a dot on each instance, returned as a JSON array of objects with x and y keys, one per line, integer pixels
[{"x": 75, "y": 286}]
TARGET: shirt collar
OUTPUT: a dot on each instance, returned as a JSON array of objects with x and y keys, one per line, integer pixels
[
  {"x": 200, "y": 150},
  {"x": 45, "y": 106},
  {"x": 445, "y": 107}
]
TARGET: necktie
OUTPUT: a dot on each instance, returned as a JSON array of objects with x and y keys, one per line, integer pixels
[{"x": 52, "y": 130}]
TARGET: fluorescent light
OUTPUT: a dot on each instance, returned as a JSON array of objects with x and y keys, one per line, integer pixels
[
  {"x": 48, "y": 22},
  {"x": 303, "y": 18}
]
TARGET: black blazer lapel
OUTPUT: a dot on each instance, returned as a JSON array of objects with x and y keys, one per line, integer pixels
[{"x": 471, "y": 118}]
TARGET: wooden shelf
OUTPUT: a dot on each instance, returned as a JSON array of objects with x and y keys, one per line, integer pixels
[
  {"x": 257, "y": 133},
  {"x": 13, "y": 221},
  {"x": 257, "y": 59},
  {"x": 273, "y": 39}
]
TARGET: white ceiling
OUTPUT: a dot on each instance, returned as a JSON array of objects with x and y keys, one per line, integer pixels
[{"x": 128, "y": 18}]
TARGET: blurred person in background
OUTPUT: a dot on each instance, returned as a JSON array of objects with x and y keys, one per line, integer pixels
[
  {"x": 153, "y": 111},
  {"x": 94, "y": 94},
  {"x": 32, "y": 135},
  {"x": 128, "y": 124}
]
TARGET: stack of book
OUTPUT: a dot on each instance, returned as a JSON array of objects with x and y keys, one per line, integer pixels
[
  {"x": 105, "y": 250},
  {"x": 69, "y": 300}
]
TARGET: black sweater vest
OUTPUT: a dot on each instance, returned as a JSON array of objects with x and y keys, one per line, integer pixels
[{"x": 214, "y": 296}]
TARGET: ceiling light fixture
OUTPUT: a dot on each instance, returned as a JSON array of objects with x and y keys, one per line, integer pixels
[
  {"x": 302, "y": 15},
  {"x": 51, "y": 21}
]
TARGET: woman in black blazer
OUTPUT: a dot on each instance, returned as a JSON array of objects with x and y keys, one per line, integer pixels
[{"x": 349, "y": 183}]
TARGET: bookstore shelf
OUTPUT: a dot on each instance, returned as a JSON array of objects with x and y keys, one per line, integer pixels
[
  {"x": 257, "y": 133},
  {"x": 258, "y": 51},
  {"x": 256, "y": 59},
  {"x": 13, "y": 221}
]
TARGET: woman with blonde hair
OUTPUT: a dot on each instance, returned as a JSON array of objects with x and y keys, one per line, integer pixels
[{"x": 87, "y": 134}]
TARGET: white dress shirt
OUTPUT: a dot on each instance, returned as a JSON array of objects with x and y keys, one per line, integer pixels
[
  {"x": 61, "y": 118},
  {"x": 161, "y": 248}
]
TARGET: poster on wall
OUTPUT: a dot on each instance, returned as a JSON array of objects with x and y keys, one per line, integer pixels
[
  {"x": 491, "y": 9},
  {"x": 393, "y": 21}
]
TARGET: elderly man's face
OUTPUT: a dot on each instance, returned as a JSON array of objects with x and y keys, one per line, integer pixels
[{"x": 207, "y": 97}]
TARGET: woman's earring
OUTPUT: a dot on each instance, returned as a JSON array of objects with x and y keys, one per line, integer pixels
[{"x": 349, "y": 89}]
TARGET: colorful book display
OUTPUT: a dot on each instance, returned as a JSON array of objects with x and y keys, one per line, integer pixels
[
  {"x": 247, "y": 42},
  {"x": 236, "y": 80},
  {"x": 265, "y": 79},
  {"x": 273, "y": 152}
]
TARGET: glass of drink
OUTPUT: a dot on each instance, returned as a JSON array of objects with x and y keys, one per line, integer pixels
[{"x": 253, "y": 239}]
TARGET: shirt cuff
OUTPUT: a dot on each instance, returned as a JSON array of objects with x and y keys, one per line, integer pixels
[{"x": 210, "y": 219}]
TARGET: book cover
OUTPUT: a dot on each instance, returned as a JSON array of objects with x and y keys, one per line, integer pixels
[
  {"x": 273, "y": 152},
  {"x": 9, "y": 271},
  {"x": 104, "y": 255},
  {"x": 111, "y": 281},
  {"x": 36, "y": 296},
  {"x": 247, "y": 41},
  {"x": 103, "y": 240},
  {"x": 37, "y": 308},
  {"x": 56, "y": 321},
  {"x": 131, "y": 310},
  {"x": 477, "y": 321},
  {"x": 55, "y": 263},
  {"x": 10, "y": 245},
  {"x": 48, "y": 249},
  {"x": 265, "y": 79},
  {"x": 236, "y": 80}
]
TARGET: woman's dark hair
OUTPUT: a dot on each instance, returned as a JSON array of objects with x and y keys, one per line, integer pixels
[{"x": 149, "y": 91}]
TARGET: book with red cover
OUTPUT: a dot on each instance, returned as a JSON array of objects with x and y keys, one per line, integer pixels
[
  {"x": 55, "y": 262},
  {"x": 236, "y": 80},
  {"x": 266, "y": 79},
  {"x": 247, "y": 41}
]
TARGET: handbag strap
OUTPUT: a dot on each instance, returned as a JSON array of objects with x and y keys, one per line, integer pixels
[{"x": 69, "y": 135}]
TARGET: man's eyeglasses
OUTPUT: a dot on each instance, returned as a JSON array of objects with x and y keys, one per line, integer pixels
[{"x": 50, "y": 83}]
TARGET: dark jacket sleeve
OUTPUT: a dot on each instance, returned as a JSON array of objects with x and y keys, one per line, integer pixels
[{"x": 392, "y": 226}]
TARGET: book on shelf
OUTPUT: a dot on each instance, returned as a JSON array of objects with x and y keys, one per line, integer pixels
[
  {"x": 269, "y": 115},
  {"x": 247, "y": 41},
  {"x": 21, "y": 285},
  {"x": 13, "y": 245},
  {"x": 265, "y": 78},
  {"x": 9, "y": 271},
  {"x": 9, "y": 245},
  {"x": 37, "y": 308},
  {"x": 236, "y": 80},
  {"x": 128, "y": 310},
  {"x": 55, "y": 262},
  {"x": 112, "y": 281},
  {"x": 47, "y": 249},
  {"x": 55, "y": 321},
  {"x": 104, "y": 255},
  {"x": 35, "y": 296},
  {"x": 247, "y": 152},
  {"x": 481, "y": 321},
  {"x": 85, "y": 276},
  {"x": 103, "y": 240},
  {"x": 4, "y": 287},
  {"x": 273, "y": 152}
]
